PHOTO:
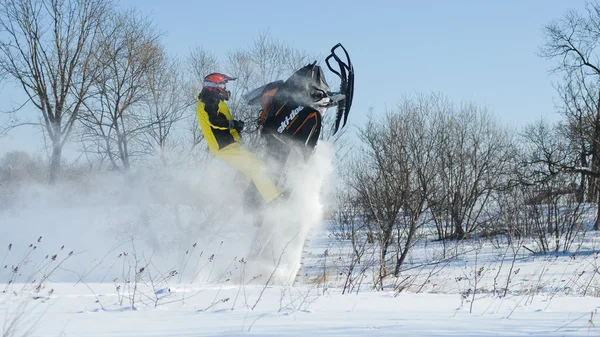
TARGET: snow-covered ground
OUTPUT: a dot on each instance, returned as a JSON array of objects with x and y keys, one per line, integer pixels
[
  {"x": 145, "y": 255},
  {"x": 299, "y": 311},
  {"x": 161, "y": 305}
]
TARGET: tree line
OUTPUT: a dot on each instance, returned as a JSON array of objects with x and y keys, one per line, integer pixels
[{"x": 442, "y": 170}]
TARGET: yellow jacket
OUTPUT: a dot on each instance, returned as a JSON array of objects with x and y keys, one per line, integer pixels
[{"x": 214, "y": 118}]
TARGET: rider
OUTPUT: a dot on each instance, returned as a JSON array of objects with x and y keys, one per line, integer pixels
[{"x": 221, "y": 132}]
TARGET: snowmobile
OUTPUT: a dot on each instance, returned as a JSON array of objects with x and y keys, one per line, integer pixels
[
  {"x": 291, "y": 111},
  {"x": 290, "y": 124}
]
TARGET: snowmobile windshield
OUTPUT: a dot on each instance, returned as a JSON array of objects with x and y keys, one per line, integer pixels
[{"x": 257, "y": 96}]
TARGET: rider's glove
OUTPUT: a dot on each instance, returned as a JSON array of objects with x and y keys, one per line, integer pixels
[{"x": 237, "y": 125}]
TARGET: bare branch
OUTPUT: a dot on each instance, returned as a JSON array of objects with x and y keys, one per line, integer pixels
[{"x": 47, "y": 51}]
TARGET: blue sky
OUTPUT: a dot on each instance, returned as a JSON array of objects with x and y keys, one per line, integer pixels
[{"x": 483, "y": 51}]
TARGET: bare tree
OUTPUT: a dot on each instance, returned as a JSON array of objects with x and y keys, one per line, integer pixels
[
  {"x": 579, "y": 105},
  {"x": 170, "y": 96},
  {"x": 202, "y": 63},
  {"x": 546, "y": 152},
  {"x": 129, "y": 50},
  {"x": 47, "y": 48},
  {"x": 393, "y": 178},
  {"x": 553, "y": 204},
  {"x": 475, "y": 159},
  {"x": 350, "y": 227},
  {"x": 573, "y": 42},
  {"x": 17, "y": 167},
  {"x": 417, "y": 125}
]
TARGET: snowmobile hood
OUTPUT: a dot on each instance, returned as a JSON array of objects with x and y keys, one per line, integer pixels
[{"x": 308, "y": 86}]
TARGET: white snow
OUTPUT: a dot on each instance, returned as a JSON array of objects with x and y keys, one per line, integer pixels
[
  {"x": 161, "y": 255},
  {"x": 300, "y": 311}
]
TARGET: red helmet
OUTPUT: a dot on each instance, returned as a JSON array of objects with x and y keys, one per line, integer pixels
[{"x": 216, "y": 82}]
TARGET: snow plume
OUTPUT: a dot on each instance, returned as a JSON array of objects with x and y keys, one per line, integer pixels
[
  {"x": 172, "y": 219},
  {"x": 291, "y": 220},
  {"x": 184, "y": 224}
]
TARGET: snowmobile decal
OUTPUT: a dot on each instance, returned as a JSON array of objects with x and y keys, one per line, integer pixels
[{"x": 288, "y": 119}]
